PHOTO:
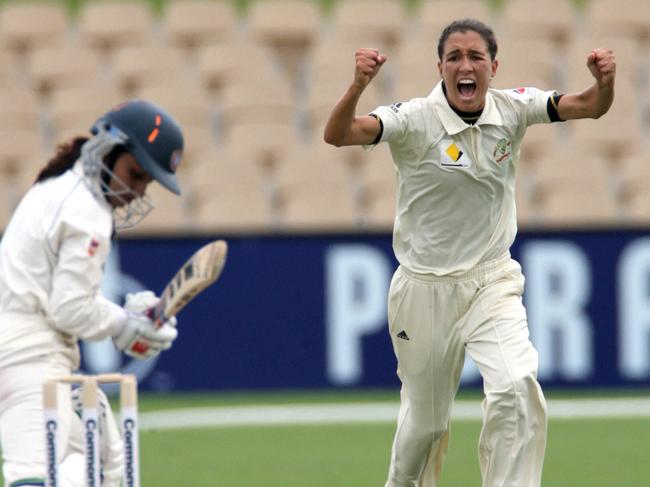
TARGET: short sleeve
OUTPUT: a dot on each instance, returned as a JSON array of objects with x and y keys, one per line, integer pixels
[
  {"x": 394, "y": 120},
  {"x": 531, "y": 104}
]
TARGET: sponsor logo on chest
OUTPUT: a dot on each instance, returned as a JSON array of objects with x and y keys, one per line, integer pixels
[{"x": 452, "y": 155}]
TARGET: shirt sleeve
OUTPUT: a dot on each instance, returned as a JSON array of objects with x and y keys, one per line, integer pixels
[
  {"x": 532, "y": 104},
  {"x": 76, "y": 304},
  {"x": 394, "y": 122}
]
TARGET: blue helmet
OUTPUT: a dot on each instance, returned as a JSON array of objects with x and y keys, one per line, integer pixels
[{"x": 150, "y": 134}]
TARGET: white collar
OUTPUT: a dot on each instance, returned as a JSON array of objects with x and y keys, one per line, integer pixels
[{"x": 452, "y": 123}]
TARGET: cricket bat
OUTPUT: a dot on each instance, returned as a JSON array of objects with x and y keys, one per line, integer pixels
[{"x": 196, "y": 274}]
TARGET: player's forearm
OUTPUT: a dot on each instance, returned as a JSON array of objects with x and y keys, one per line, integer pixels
[
  {"x": 85, "y": 316},
  {"x": 341, "y": 120},
  {"x": 593, "y": 102}
]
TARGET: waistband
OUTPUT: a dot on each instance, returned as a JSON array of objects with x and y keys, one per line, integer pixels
[{"x": 475, "y": 272}]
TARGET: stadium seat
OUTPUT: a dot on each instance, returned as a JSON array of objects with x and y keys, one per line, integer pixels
[
  {"x": 573, "y": 190},
  {"x": 540, "y": 140},
  {"x": 315, "y": 192},
  {"x": 378, "y": 188},
  {"x": 527, "y": 19},
  {"x": 74, "y": 110},
  {"x": 615, "y": 135},
  {"x": 9, "y": 73},
  {"x": 220, "y": 65},
  {"x": 229, "y": 195},
  {"x": 604, "y": 17},
  {"x": 629, "y": 62},
  {"x": 189, "y": 24},
  {"x": 261, "y": 143},
  {"x": 330, "y": 73},
  {"x": 434, "y": 15},
  {"x": 234, "y": 212},
  {"x": 289, "y": 28},
  {"x": 637, "y": 209},
  {"x": 578, "y": 207},
  {"x": 515, "y": 66},
  {"x": 19, "y": 109},
  {"x": 312, "y": 164},
  {"x": 322, "y": 98},
  {"x": 107, "y": 24},
  {"x": 53, "y": 68},
  {"x": 247, "y": 102},
  {"x": 10, "y": 194},
  {"x": 319, "y": 208},
  {"x": 524, "y": 198},
  {"x": 633, "y": 183},
  {"x": 379, "y": 213},
  {"x": 170, "y": 215},
  {"x": 332, "y": 62},
  {"x": 147, "y": 65},
  {"x": 21, "y": 153},
  {"x": 26, "y": 25},
  {"x": 283, "y": 23},
  {"x": 415, "y": 68},
  {"x": 378, "y": 23}
]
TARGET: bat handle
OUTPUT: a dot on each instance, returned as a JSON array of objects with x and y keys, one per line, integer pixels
[{"x": 156, "y": 313}]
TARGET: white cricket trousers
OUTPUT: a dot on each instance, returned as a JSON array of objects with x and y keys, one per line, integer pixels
[{"x": 433, "y": 322}]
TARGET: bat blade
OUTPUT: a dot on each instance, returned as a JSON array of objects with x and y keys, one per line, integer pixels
[{"x": 196, "y": 274}]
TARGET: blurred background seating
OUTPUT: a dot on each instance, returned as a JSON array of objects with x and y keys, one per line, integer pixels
[{"x": 253, "y": 83}]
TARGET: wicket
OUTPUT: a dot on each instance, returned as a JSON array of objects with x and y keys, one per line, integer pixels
[{"x": 128, "y": 426}]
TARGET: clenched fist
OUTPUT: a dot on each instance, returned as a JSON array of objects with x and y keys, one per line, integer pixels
[
  {"x": 602, "y": 64},
  {"x": 368, "y": 63}
]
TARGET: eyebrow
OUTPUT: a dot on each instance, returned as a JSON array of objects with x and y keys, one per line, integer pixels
[{"x": 470, "y": 51}]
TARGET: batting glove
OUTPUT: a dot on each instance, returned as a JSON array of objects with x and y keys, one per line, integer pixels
[{"x": 139, "y": 338}]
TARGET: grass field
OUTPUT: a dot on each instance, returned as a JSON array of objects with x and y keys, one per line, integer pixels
[
  {"x": 594, "y": 453},
  {"x": 601, "y": 452}
]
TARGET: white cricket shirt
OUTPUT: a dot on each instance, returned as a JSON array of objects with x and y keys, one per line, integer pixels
[
  {"x": 52, "y": 256},
  {"x": 456, "y": 182}
]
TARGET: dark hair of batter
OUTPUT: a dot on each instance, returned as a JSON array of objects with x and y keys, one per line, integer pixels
[
  {"x": 64, "y": 158},
  {"x": 67, "y": 154},
  {"x": 463, "y": 25}
]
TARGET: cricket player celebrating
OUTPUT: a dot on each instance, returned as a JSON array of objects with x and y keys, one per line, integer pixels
[
  {"x": 52, "y": 257},
  {"x": 457, "y": 290}
]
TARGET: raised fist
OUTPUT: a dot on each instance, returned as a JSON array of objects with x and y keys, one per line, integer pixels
[
  {"x": 602, "y": 64},
  {"x": 368, "y": 63}
]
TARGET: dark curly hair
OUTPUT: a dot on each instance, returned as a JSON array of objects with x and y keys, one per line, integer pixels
[
  {"x": 66, "y": 155},
  {"x": 64, "y": 158}
]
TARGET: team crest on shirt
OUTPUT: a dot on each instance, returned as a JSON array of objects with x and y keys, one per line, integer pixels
[{"x": 502, "y": 150}]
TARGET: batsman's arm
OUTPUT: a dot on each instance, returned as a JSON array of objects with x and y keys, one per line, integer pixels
[{"x": 343, "y": 127}]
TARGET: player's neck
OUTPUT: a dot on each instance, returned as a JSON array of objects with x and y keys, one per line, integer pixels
[{"x": 469, "y": 118}]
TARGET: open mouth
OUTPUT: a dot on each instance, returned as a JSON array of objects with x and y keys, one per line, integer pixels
[{"x": 466, "y": 87}]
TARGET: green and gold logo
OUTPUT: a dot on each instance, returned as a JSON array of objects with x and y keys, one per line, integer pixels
[{"x": 502, "y": 150}]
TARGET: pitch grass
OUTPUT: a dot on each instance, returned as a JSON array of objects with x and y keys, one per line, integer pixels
[
  {"x": 593, "y": 453},
  {"x": 580, "y": 453},
  {"x": 589, "y": 453}
]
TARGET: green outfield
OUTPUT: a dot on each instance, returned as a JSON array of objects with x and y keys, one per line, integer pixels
[{"x": 594, "y": 452}]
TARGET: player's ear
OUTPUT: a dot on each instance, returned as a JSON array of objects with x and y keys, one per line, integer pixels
[
  {"x": 495, "y": 65},
  {"x": 440, "y": 68}
]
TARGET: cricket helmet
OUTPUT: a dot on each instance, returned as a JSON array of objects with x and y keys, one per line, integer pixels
[{"x": 151, "y": 135}]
